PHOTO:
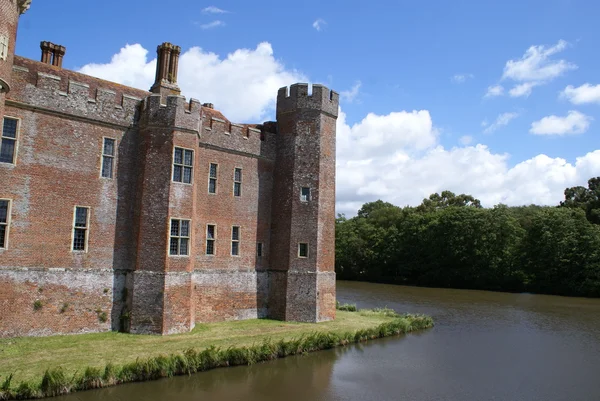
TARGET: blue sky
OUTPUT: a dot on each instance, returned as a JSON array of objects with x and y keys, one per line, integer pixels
[{"x": 388, "y": 58}]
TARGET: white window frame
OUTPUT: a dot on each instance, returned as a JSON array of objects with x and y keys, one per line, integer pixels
[
  {"x": 7, "y": 224},
  {"x": 87, "y": 229},
  {"x": 183, "y": 166},
  {"x": 238, "y": 240},
  {"x": 307, "y": 199},
  {"x": 113, "y": 158},
  {"x": 16, "y": 139},
  {"x": 213, "y": 178},
  {"x": 4, "y": 43},
  {"x": 237, "y": 182},
  {"x": 214, "y": 241},
  {"x": 179, "y": 237},
  {"x": 307, "y": 250}
]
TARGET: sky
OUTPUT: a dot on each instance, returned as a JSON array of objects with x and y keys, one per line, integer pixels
[{"x": 496, "y": 99}]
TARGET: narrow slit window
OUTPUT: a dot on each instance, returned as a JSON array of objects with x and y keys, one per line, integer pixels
[
  {"x": 180, "y": 237},
  {"x": 81, "y": 228},
  {"x": 183, "y": 162},
  {"x": 108, "y": 157},
  {"x": 8, "y": 144},
  {"x": 237, "y": 182},
  {"x": 4, "y": 221},
  {"x": 305, "y": 194},
  {"x": 303, "y": 250},
  {"x": 211, "y": 236},
  {"x": 259, "y": 249},
  {"x": 235, "y": 241},
  {"x": 3, "y": 47},
  {"x": 212, "y": 178}
]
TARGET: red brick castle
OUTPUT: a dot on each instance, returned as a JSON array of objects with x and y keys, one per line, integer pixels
[{"x": 122, "y": 209}]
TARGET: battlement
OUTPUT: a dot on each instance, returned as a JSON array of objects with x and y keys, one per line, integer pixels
[
  {"x": 299, "y": 97},
  {"x": 52, "y": 89},
  {"x": 176, "y": 112}
]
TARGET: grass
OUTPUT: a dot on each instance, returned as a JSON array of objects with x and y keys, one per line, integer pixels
[{"x": 48, "y": 366}]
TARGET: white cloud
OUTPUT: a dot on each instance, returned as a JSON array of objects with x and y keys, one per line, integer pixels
[
  {"x": 585, "y": 93},
  {"x": 573, "y": 123},
  {"x": 466, "y": 139},
  {"x": 461, "y": 78},
  {"x": 523, "y": 89},
  {"x": 213, "y": 24},
  {"x": 243, "y": 85},
  {"x": 350, "y": 95},
  {"x": 319, "y": 24},
  {"x": 501, "y": 121},
  {"x": 214, "y": 10},
  {"x": 535, "y": 65},
  {"x": 494, "y": 90}
]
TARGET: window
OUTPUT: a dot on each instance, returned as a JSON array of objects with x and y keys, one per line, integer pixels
[
  {"x": 4, "y": 221},
  {"x": 237, "y": 182},
  {"x": 212, "y": 179},
  {"x": 81, "y": 228},
  {"x": 183, "y": 160},
  {"x": 211, "y": 236},
  {"x": 9, "y": 140},
  {"x": 235, "y": 241},
  {"x": 303, "y": 250},
  {"x": 180, "y": 237},
  {"x": 259, "y": 249},
  {"x": 108, "y": 157},
  {"x": 3, "y": 47},
  {"x": 305, "y": 194}
]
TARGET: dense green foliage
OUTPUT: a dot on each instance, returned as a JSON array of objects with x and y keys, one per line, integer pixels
[
  {"x": 56, "y": 382},
  {"x": 451, "y": 241}
]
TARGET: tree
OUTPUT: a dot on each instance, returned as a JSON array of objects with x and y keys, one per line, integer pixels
[
  {"x": 587, "y": 199},
  {"x": 447, "y": 199}
]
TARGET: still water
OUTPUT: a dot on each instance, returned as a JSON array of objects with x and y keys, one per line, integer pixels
[{"x": 485, "y": 346}]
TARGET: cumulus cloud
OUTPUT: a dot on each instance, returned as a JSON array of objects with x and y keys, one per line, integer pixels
[
  {"x": 494, "y": 90},
  {"x": 243, "y": 85},
  {"x": 461, "y": 78},
  {"x": 213, "y": 10},
  {"x": 585, "y": 93},
  {"x": 213, "y": 24},
  {"x": 501, "y": 121},
  {"x": 351, "y": 94},
  {"x": 573, "y": 123},
  {"x": 522, "y": 89},
  {"x": 319, "y": 24},
  {"x": 466, "y": 139}
]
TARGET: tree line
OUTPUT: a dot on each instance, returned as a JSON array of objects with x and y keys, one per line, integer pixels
[{"x": 451, "y": 241}]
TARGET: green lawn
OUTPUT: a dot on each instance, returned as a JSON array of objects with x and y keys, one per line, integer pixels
[{"x": 28, "y": 358}]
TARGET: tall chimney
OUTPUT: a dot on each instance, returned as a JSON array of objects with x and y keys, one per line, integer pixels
[
  {"x": 167, "y": 63},
  {"x": 52, "y": 54}
]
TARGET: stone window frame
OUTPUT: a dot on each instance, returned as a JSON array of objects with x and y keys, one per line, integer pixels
[
  {"x": 216, "y": 177},
  {"x": 4, "y": 44},
  {"x": 300, "y": 244},
  {"x": 237, "y": 183},
  {"x": 237, "y": 241},
  {"x": 16, "y": 139},
  {"x": 213, "y": 240},
  {"x": 179, "y": 237},
  {"x": 74, "y": 228},
  {"x": 113, "y": 157},
  {"x": 182, "y": 165},
  {"x": 259, "y": 250},
  {"x": 6, "y": 224},
  {"x": 308, "y": 196}
]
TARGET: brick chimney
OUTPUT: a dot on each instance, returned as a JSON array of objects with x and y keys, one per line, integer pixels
[
  {"x": 52, "y": 54},
  {"x": 167, "y": 64}
]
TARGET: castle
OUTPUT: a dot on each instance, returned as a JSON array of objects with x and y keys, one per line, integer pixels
[{"x": 122, "y": 209}]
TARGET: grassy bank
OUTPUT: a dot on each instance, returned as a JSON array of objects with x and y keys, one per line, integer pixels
[{"x": 48, "y": 366}]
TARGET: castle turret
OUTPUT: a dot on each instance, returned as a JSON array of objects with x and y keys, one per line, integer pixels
[
  {"x": 10, "y": 10},
  {"x": 303, "y": 216}
]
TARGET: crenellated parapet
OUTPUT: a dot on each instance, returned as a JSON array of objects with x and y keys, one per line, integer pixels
[
  {"x": 175, "y": 113},
  {"x": 297, "y": 97},
  {"x": 48, "y": 89}
]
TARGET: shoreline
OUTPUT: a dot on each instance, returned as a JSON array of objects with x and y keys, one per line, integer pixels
[{"x": 356, "y": 327}]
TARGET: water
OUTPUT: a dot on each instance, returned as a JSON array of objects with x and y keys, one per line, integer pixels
[{"x": 485, "y": 346}]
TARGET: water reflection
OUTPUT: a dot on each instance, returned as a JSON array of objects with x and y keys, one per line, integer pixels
[{"x": 485, "y": 346}]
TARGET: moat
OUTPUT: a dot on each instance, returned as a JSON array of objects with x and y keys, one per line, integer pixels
[{"x": 485, "y": 346}]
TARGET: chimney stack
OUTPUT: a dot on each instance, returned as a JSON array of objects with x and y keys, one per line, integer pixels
[
  {"x": 52, "y": 54},
  {"x": 167, "y": 64}
]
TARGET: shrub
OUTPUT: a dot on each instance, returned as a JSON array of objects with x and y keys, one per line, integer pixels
[{"x": 37, "y": 304}]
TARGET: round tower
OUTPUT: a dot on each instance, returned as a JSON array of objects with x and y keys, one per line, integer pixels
[{"x": 10, "y": 10}]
